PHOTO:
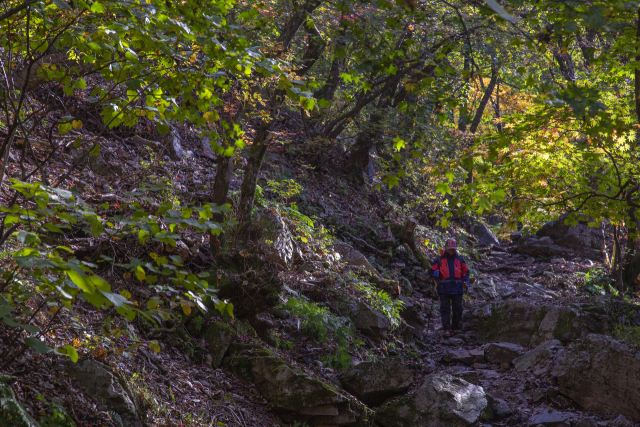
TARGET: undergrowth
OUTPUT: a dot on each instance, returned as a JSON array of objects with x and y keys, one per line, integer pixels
[{"x": 324, "y": 327}]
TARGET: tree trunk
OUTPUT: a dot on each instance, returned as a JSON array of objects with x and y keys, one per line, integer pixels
[
  {"x": 480, "y": 111},
  {"x": 315, "y": 47},
  {"x": 257, "y": 153},
  {"x": 587, "y": 47},
  {"x": 219, "y": 196},
  {"x": 298, "y": 18}
]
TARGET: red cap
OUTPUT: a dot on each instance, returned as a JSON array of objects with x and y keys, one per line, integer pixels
[{"x": 451, "y": 244}]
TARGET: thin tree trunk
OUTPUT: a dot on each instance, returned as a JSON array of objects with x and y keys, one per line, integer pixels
[
  {"x": 295, "y": 21},
  {"x": 480, "y": 111},
  {"x": 219, "y": 196},
  {"x": 257, "y": 153}
]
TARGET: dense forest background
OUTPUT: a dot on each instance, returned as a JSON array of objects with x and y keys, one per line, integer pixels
[{"x": 142, "y": 147}]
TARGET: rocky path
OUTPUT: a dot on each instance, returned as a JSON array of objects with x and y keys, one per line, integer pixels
[{"x": 540, "y": 352}]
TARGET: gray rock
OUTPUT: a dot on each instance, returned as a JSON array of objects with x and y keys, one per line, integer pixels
[
  {"x": 442, "y": 400},
  {"x": 107, "y": 389},
  {"x": 290, "y": 392},
  {"x": 173, "y": 145},
  {"x": 502, "y": 352},
  {"x": 276, "y": 241},
  {"x": 516, "y": 235},
  {"x": 586, "y": 422},
  {"x": 536, "y": 356},
  {"x": 371, "y": 322},
  {"x": 484, "y": 289},
  {"x": 219, "y": 337},
  {"x": 375, "y": 382},
  {"x": 586, "y": 242},
  {"x": 468, "y": 357},
  {"x": 501, "y": 410},
  {"x": 485, "y": 235},
  {"x": 601, "y": 374},
  {"x": 205, "y": 143},
  {"x": 350, "y": 256},
  {"x": 536, "y": 323},
  {"x": 11, "y": 412},
  {"x": 549, "y": 418},
  {"x": 531, "y": 245}
]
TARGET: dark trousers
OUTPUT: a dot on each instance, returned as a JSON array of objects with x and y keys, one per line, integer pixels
[{"x": 445, "y": 311}]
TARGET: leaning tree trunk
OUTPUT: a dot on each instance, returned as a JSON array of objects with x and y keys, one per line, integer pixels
[
  {"x": 480, "y": 111},
  {"x": 257, "y": 153}
]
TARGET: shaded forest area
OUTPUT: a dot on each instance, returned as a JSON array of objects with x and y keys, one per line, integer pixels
[{"x": 220, "y": 212}]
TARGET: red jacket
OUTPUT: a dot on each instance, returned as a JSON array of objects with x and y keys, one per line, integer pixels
[{"x": 460, "y": 272}]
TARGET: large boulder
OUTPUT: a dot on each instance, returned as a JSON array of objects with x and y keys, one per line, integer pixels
[
  {"x": 485, "y": 235},
  {"x": 600, "y": 374},
  {"x": 107, "y": 389},
  {"x": 442, "y": 401},
  {"x": 219, "y": 337},
  {"x": 526, "y": 323},
  {"x": 11, "y": 412},
  {"x": 586, "y": 242},
  {"x": 275, "y": 241},
  {"x": 290, "y": 392},
  {"x": 374, "y": 382},
  {"x": 545, "y": 246}
]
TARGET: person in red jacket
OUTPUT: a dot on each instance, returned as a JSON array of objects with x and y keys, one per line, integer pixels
[{"x": 452, "y": 278}]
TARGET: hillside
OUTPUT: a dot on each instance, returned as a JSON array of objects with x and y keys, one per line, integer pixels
[{"x": 220, "y": 213}]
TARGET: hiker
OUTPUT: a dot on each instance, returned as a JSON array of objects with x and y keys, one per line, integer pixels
[{"x": 452, "y": 279}]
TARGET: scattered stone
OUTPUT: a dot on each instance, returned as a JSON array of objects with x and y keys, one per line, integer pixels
[
  {"x": 469, "y": 376},
  {"x": 536, "y": 356},
  {"x": 11, "y": 412},
  {"x": 549, "y": 418},
  {"x": 601, "y": 374},
  {"x": 171, "y": 142},
  {"x": 350, "y": 256},
  {"x": 502, "y": 352},
  {"x": 516, "y": 235},
  {"x": 107, "y": 389},
  {"x": 371, "y": 322},
  {"x": 586, "y": 422},
  {"x": 458, "y": 356},
  {"x": 219, "y": 337},
  {"x": 558, "y": 261},
  {"x": 442, "y": 400},
  {"x": 501, "y": 410},
  {"x": 207, "y": 151},
  {"x": 485, "y": 235},
  {"x": 308, "y": 267},
  {"x": 375, "y": 382},
  {"x": 483, "y": 289}
]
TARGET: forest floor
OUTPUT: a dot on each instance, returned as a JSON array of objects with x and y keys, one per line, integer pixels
[{"x": 176, "y": 387}]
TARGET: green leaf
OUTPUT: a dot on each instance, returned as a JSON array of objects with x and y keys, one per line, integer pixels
[
  {"x": 26, "y": 238},
  {"x": 143, "y": 237},
  {"x": 497, "y": 8},
  {"x": 443, "y": 188},
  {"x": 61, "y": 4},
  {"x": 68, "y": 350},
  {"x": 97, "y": 8},
  {"x": 38, "y": 345}
]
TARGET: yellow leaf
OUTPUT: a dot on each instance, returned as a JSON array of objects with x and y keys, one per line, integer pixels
[
  {"x": 211, "y": 115},
  {"x": 153, "y": 256},
  {"x": 126, "y": 275},
  {"x": 77, "y": 124},
  {"x": 192, "y": 58},
  {"x": 186, "y": 309},
  {"x": 125, "y": 294},
  {"x": 426, "y": 242}
]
